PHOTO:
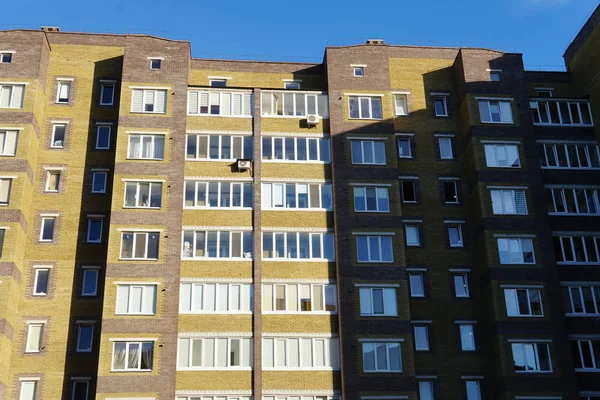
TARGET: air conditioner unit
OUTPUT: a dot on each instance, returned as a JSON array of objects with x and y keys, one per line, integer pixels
[
  {"x": 313, "y": 119},
  {"x": 243, "y": 164}
]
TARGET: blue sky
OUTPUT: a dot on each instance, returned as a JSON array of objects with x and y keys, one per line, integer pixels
[{"x": 299, "y": 31}]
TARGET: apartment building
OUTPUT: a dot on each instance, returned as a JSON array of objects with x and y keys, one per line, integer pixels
[{"x": 396, "y": 222}]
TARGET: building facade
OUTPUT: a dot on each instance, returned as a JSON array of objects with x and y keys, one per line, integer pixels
[{"x": 396, "y": 222}]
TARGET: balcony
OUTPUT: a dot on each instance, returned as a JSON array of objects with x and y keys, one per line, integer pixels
[{"x": 561, "y": 112}]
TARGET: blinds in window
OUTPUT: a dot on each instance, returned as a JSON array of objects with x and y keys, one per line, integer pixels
[
  {"x": 137, "y": 100},
  {"x": 193, "y": 101},
  {"x": 136, "y": 299},
  {"x": 160, "y": 101},
  {"x": 64, "y": 88},
  {"x": 506, "y": 112},
  {"x": 219, "y": 103}
]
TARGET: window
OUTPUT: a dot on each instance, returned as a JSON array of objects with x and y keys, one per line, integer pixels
[
  {"x": 502, "y": 156},
  {"x": 495, "y": 75},
  {"x": 288, "y": 149},
  {"x": 440, "y": 105},
  {"x": 586, "y": 354},
  {"x": 47, "y": 229},
  {"x": 107, "y": 93},
  {"x": 248, "y": 398},
  {"x": 80, "y": 390},
  {"x": 5, "y": 58},
  {"x": 2, "y": 234},
  {"x": 359, "y": 71},
  {"x": 455, "y": 235},
  {"x": 63, "y": 92},
  {"x": 40, "y": 282},
  {"x": 289, "y": 104},
  {"x": 381, "y": 357},
  {"x": 316, "y": 298},
  {"x": 531, "y": 357},
  {"x": 400, "y": 104},
  {"x": 516, "y": 251},
  {"x": 5, "y": 185},
  {"x": 573, "y": 201},
  {"x": 218, "y": 194},
  {"x": 473, "y": 389},
  {"x": 302, "y": 353},
  {"x": 508, "y": 202},
  {"x": 217, "y": 244},
  {"x": 368, "y": 152},
  {"x": 523, "y": 302},
  {"x": 136, "y": 300},
  {"x": 132, "y": 356},
  {"x": 287, "y": 398},
  {"x": 450, "y": 188},
  {"x": 426, "y": 390},
  {"x": 581, "y": 300},
  {"x": 143, "y": 194},
  {"x": 8, "y": 143},
  {"x": 34, "y": 337},
  {"x": 99, "y": 182},
  {"x": 58, "y": 136},
  {"x": 149, "y": 101},
  {"x": 544, "y": 92},
  {"x": 218, "y": 82},
  {"x": 413, "y": 237},
  {"x": 378, "y": 301},
  {"x": 371, "y": 198},
  {"x": 374, "y": 248},
  {"x": 461, "y": 284},
  {"x": 146, "y": 147},
  {"x": 219, "y": 298},
  {"x": 417, "y": 284},
  {"x": 11, "y": 96},
  {"x": 409, "y": 192},
  {"x": 576, "y": 249},
  {"x": 139, "y": 245},
  {"x": 224, "y": 103},
  {"x": 94, "y": 231},
  {"x": 298, "y": 246},
  {"x": 574, "y": 156},
  {"x": 155, "y": 63},
  {"x": 492, "y": 111},
  {"x": 292, "y": 85},
  {"x": 365, "y": 107},
  {"x": 28, "y": 390},
  {"x": 445, "y": 145},
  {"x": 218, "y": 147},
  {"x": 404, "y": 147},
  {"x": 85, "y": 336},
  {"x": 52, "y": 181},
  {"x": 467, "y": 337},
  {"x": 296, "y": 196},
  {"x": 561, "y": 112},
  {"x": 214, "y": 353},
  {"x": 421, "y": 333},
  {"x": 103, "y": 136},
  {"x": 89, "y": 286}
]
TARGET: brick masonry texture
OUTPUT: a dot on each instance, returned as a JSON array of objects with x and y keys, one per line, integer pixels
[{"x": 419, "y": 73}]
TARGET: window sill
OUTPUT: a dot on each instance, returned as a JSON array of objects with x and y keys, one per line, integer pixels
[
  {"x": 214, "y": 368},
  {"x": 105, "y": 105},
  {"x": 382, "y": 372},
  {"x": 210, "y": 160},
  {"x": 291, "y": 116},
  {"x": 541, "y": 372},
  {"x": 141, "y": 208},
  {"x": 497, "y": 123},
  {"x": 406, "y": 158},
  {"x": 89, "y": 294},
  {"x": 298, "y": 209},
  {"x": 587, "y": 370},
  {"x": 297, "y": 260},
  {"x": 57, "y": 147},
  {"x": 575, "y": 263},
  {"x": 371, "y": 211},
  {"x": 375, "y": 164},
  {"x": 300, "y": 312},
  {"x": 525, "y": 264},
  {"x": 39, "y": 294},
  {"x": 300, "y": 369},
  {"x": 130, "y": 370},
  {"x": 525, "y": 316},
  {"x": 581, "y": 315},
  {"x": 364, "y": 119},
  {"x": 378, "y": 315},
  {"x": 571, "y": 168},
  {"x": 83, "y": 351},
  {"x": 93, "y": 241},
  {"x": 563, "y": 125},
  {"x": 46, "y": 241},
  {"x": 33, "y": 351},
  {"x": 514, "y": 215},
  {"x": 296, "y": 161},
  {"x": 557, "y": 214},
  {"x": 221, "y": 116},
  {"x": 215, "y": 259},
  {"x": 98, "y": 192},
  {"x": 20, "y": 108},
  {"x": 138, "y": 259},
  {"x": 147, "y": 112},
  {"x": 374, "y": 262},
  {"x": 145, "y": 159},
  {"x": 135, "y": 314},
  {"x": 213, "y": 208},
  {"x": 210, "y": 313}
]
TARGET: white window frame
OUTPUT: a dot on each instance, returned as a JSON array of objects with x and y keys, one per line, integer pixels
[
  {"x": 323, "y": 237},
  {"x": 294, "y": 290},
  {"x": 381, "y": 194},
  {"x": 23, "y": 395},
  {"x": 556, "y": 103},
  {"x": 459, "y": 230},
  {"x": 591, "y": 198},
  {"x": 388, "y": 301},
  {"x": 461, "y": 280},
  {"x": 536, "y": 355},
  {"x": 60, "y": 84},
  {"x": 411, "y": 227},
  {"x": 473, "y": 389},
  {"x": 421, "y": 335},
  {"x": 570, "y": 240},
  {"x": 485, "y": 105},
  {"x": 103, "y": 101},
  {"x": 359, "y": 100},
  {"x": 584, "y": 152},
  {"x": 520, "y": 241},
  {"x": 408, "y": 140},
  {"x": 133, "y": 245},
  {"x": 95, "y": 174},
  {"x": 206, "y": 295},
  {"x": 141, "y": 137},
  {"x": 201, "y": 341},
  {"x": 494, "y": 163},
  {"x": 330, "y": 348},
  {"x": 6, "y": 136},
  {"x": 455, "y": 183},
  {"x": 388, "y": 346},
  {"x": 241, "y": 139},
  {"x": 243, "y": 185},
  {"x": 512, "y": 295},
  {"x": 380, "y": 247},
  {"x": 215, "y": 97},
  {"x": 358, "y": 72},
  {"x": 80, "y": 349},
  {"x": 590, "y": 344},
  {"x": 9, "y": 56},
  {"x": 31, "y": 347},
  {"x": 444, "y": 99},
  {"x": 426, "y": 391},
  {"x": 320, "y": 145},
  {"x": 413, "y": 182},
  {"x": 320, "y": 101},
  {"x": 467, "y": 336},
  {"x": 100, "y": 127},
  {"x": 153, "y": 66},
  {"x": 448, "y": 140},
  {"x": 86, "y": 272},
  {"x": 140, "y": 346},
  {"x": 92, "y": 220},
  {"x": 495, "y": 75},
  {"x": 402, "y": 110},
  {"x": 279, "y": 191},
  {"x": 49, "y": 173},
  {"x": 362, "y": 152},
  {"x": 43, "y": 224},
  {"x": 37, "y": 271},
  {"x": 244, "y": 255},
  {"x": 573, "y": 291},
  {"x": 156, "y": 93},
  {"x": 53, "y": 141},
  {"x": 146, "y": 290},
  {"x": 415, "y": 277},
  {"x": 5, "y": 183},
  {"x": 154, "y": 188},
  {"x": 511, "y": 194},
  {"x": 12, "y": 102}
]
